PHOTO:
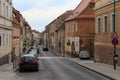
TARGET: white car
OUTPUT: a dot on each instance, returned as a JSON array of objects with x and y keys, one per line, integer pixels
[
  {"x": 33, "y": 52},
  {"x": 84, "y": 54}
]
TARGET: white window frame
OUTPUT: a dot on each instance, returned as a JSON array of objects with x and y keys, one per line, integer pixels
[
  {"x": 104, "y": 25},
  {"x": 98, "y": 28},
  {"x": 112, "y": 25},
  {"x": 7, "y": 39},
  {"x": 1, "y": 40},
  {"x": 76, "y": 26}
]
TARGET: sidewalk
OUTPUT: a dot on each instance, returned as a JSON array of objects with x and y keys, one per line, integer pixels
[
  {"x": 7, "y": 72},
  {"x": 100, "y": 68}
]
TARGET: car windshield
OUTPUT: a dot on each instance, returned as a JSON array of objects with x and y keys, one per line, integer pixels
[
  {"x": 84, "y": 52},
  {"x": 27, "y": 58}
]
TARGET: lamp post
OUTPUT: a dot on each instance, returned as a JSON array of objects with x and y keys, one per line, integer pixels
[{"x": 114, "y": 32}]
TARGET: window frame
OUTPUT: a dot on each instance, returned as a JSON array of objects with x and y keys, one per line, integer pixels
[
  {"x": 0, "y": 39},
  {"x": 105, "y": 24},
  {"x": 98, "y": 30}
]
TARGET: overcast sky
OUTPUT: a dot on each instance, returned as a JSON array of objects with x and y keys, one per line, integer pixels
[{"x": 39, "y": 13}]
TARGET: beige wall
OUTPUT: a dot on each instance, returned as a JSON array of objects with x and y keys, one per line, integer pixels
[
  {"x": 6, "y": 42},
  {"x": 5, "y": 30},
  {"x": 103, "y": 46}
]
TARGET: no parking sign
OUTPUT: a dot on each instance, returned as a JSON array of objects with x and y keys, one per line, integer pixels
[
  {"x": 114, "y": 38},
  {"x": 114, "y": 41}
]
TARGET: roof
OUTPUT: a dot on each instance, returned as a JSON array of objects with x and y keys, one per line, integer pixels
[
  {"x": 79, "y": 9},
  {"x": 86, "y": 16}
]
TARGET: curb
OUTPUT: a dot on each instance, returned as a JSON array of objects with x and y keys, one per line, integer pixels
[
  {"x": 15, "y": 70},
  {"x": 96, "y": 72}
]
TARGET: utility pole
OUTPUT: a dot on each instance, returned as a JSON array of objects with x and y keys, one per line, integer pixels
[{"x": 115, "y": 55}]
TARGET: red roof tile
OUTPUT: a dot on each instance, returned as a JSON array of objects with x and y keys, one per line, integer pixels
[
  {"x": 85, "y": 16},
  {"x": 81, "y": 7}
]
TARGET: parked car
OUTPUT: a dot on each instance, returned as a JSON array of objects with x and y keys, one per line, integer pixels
[
  {"x": 45, "y": 48},
  {"x": 28, "y": 62},
  {"x": 33, "y": 53},
  {"x": 84, "y": 54},
  {"x": 39, "y": 43}
]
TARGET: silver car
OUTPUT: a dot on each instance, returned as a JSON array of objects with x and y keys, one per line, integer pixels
[{"x": 84, "y": 54}]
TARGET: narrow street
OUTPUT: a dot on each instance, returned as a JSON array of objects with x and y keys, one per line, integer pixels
[
  {"x": 54, "y": 67},
  {"x": 59, "y": 40}
]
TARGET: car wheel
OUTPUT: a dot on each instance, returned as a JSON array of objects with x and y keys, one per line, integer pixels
[{"x": 37, "y": 70}]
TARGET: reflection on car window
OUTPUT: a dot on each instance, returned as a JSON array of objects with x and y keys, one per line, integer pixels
[{"x": 27, "y": 59}]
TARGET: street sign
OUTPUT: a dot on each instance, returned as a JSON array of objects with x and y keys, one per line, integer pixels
[
  {"x": 114, "y": 41},
  {"x": 114, "y": 35},
  {"x": 68, "y": 43}
]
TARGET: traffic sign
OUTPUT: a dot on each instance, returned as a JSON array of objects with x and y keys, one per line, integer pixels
[
  {"x": 114, "y": 35},
  {"x": 114, "y": 41}
]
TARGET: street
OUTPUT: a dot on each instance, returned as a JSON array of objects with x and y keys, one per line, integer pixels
[{"x": 53, "y": 67}]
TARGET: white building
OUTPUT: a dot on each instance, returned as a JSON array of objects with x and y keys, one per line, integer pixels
[{"x": 5, "y": 31}]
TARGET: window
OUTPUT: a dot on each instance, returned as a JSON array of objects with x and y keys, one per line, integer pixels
[
  {"x": 98, "y": 24},
  {"x": 7, "y": 12},
  {"x": 3, "y": 9},
  {"x": 76, "y": 27},
  {"x": 0, "y": 8},
  {"x": 112, "y": 22},
  {"x": 3, "y": 39},
  {"x": 0, "y": 40},
  {"x": 105, "y": 24},
  {"x": 7, "y": 40}
]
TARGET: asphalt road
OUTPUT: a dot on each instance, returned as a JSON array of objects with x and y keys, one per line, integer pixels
[{"x": 53, "y": 67}]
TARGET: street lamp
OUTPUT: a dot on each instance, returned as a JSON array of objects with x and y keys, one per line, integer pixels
[{"x": 115, "y": 55}]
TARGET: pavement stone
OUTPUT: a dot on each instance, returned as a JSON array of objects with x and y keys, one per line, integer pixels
[{"x": 101, "y": 68}]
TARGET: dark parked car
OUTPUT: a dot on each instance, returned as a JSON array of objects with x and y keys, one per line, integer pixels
[
  {"x": 45, "y": 48},
  {"x": 28, "y": 62}
]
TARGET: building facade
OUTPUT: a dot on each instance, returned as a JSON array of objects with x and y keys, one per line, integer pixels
[
  {"x": 36, "y": 36},
  {"x": 5, "y": 31},
  {"x": 79, "y": 29},
  {"x": 16, "y": 39},
  {"x": 104, "y": 13},
  {"x": 60, "y": 32}
]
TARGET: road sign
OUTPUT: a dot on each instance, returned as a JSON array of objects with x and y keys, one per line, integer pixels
[
  {"x": 68, "y": 43},
  {"x": 114, "y": 41},
  {"x": 114, "y": 35}
]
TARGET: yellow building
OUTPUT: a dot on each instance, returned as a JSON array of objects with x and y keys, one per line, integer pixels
[
  {"x": 104, "y": 13},
  {"x": 5, "y": 31}
]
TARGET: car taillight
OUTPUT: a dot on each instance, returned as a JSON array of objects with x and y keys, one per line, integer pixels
[
  {"x": 21, "y": 62},
  {"x": 35, "y": 62}
]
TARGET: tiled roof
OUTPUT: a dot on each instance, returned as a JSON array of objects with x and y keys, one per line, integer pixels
[
  {"x": 85, "y": 16},
  {"x": 81, "y": 7}
]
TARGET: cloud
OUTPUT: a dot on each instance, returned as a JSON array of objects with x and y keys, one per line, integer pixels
[{"x": 41, "y": 13}]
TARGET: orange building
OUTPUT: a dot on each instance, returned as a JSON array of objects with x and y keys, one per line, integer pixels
[
  {"x": 16, "y": 33},
  {"x": 79, "y": 28}
]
